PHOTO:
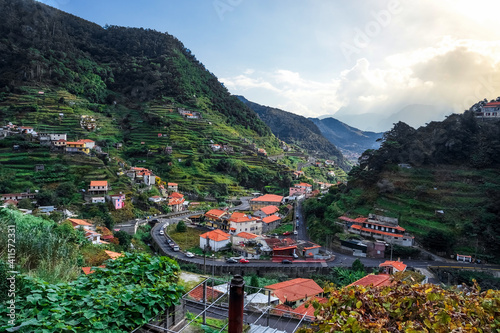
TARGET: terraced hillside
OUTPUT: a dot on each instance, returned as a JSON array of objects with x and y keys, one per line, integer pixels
[{"x": 145, "y": 131}]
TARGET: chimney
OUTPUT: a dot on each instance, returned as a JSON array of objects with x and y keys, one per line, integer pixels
[{"x": 236, "y": 300}]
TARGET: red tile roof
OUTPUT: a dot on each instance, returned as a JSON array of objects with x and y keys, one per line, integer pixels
[
  {"x": 492, "y": 104},
  {"x": 374, "y": 280},
  {"x": 176, "y": 195},
  {"x": 296, "y": 289},
  {"x": 268, "y": 198},
  {"x": 315, "y": 246},
  {"x": 88, "y": 270},
  {"x": 356, "y": 220},
  {"x": 113, "y": 255},
  {"x": 76, "y": 222},
  {"x": 99, "y": 183},
  {"x": 211, "y": 294},
  {"x": 358, "y": 227},
  {"x": 85, "y": 140},
  {"x": 247, "y": 235},
  {"x": 307, "y": 308},
  {"x": 268, "y": 210},
  {"x": 242, "y": 219},
  {"x": 272, "y": 218},
  {"x": 303, "y": 185},
  {"x": 215, "y": 213},
  {"x": 216, "y": 235},
  {"x": 395, "y": 264},
  {"x": 172, "y": 184}
]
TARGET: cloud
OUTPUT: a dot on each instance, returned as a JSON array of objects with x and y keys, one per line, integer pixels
[{"x": 452, "y": 75}]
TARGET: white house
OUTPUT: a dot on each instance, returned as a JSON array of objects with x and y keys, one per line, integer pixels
[
  {"x": 215, "y": 239},
  {"x": 98, "y": 200},
  {"x": 239, "y": 222},
  {"x": 155, "y": 198}
]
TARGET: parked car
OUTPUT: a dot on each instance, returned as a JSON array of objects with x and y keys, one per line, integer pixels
[
  {"x": 231, "y": 261},
  {"x": 189, "y": 255},
  {"x": 286, "y": 261},
  {"x": 295, "y": 232},
  {"x": 244, "y": 261},
  {"x": 162, "y": 232},
  {"x": 286, "y": 233},
  {"x": 176, "y": 248}
]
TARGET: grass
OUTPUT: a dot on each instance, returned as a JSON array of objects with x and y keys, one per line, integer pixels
[
  {"x": 185, "y": 240},
  {"x": 283, "y": 228}
]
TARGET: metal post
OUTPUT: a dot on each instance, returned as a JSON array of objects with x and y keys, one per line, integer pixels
[
  {"x": 204, "y": 302},
  {"x": 268, "y": 306},
  {"x": 236, "y": 301}
]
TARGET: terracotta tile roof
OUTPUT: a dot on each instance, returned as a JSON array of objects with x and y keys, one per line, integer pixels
[
  {"x": 358, "y": 227},
  {"x": 215, "y": 213},
  {"x": 216, "y": 235},
  {"x": 172, "y": 184},
  {"x": 281, "y": 309},
  {"x": 113, "y": 255},
  {"x": 312, "y": 247},
  {"x": 99, "y": 183},
  {"x": 247, "y": 235},
  {"x": 307, "y": 308},
  {"x": 277, "y": 248},
  {"x": 76, "y": 222},
  {"x": 272, "y": 218},
  {"x": 395, "y": 264},
  {"x": 76, "y": 143},
  {"x": 303, "y": 185},
  {"x": 88, "y": 270},
  {"x": 492, "y": 104},
  {"x": 356, "y": 220},
  {"x": 269, "y": 210},
  {"x": 85, "y": 140},
  {"x": 296, "y": 289},
  {"x": 176, "y": 195},
  {"x": 211, "y": 294},
  {"x": 241, "y": 219},
  {"x": 375, "y": 280},
  {"x": 268, "y": 198}
]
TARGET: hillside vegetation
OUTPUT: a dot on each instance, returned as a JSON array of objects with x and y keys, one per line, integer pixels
[
  {"x": 447, "y": 197},
  {"x": 131, "y": 81},
  {"x": 298, "y": 130}
]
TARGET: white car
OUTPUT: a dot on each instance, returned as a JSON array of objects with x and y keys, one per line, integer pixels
[
  {"x": 162, "y": 232},
  {"x": 295, "y": 232},
  {"x": 189, "y": 255}
]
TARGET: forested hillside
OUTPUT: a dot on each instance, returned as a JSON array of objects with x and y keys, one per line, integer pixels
[
  {"x": 57, "y": 69},
  {"x": 441, "y": 181},
  {"x": 295, "y": 129},
  {"x": 351, "y": 141}
]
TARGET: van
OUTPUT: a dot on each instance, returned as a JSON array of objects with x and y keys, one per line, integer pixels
[{"x": 176, "y": 248}]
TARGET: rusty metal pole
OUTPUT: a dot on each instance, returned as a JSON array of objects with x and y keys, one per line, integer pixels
[{"x": 236, "y": 301}]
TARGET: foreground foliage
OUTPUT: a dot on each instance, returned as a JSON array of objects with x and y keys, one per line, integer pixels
[
  {"x": 126, "y": 294},
  {"x": 405, "y": 308}
]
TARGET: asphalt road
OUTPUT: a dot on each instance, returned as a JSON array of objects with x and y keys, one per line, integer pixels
[{"x": 342, "y": 260}]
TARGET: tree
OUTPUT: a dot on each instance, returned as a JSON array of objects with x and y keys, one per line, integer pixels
[
  {"x": 25, "y": 204},
  {"x": 124, "y": 239},
  {"x": 181, "y": 227},
  {"x": 357, "y": 265},
  {"x": 254, "y": 282}
]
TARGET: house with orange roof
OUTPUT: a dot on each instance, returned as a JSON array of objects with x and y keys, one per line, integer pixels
[
  {"x": 82, "y": 224},
  {"x": 87, "y": 143},
  {"x": 269, "y": 223},
  {"x": 489, "y": 111},
  {"x": 379, "y": 227},
  {"x": 310, "y": 249},
  {"x": 142, "y": 175},
  {"x": 215, "y": 240},
  {"x": 172, "y": 187},
  {"x": 298, "y": 174},
  {"x": 295, "y": 292},
  {"x": 266, "y": 200},
  {"x": 266, "y": 211},
  {"x": 380, "y": 280},
  {"x": 217, "y": 218},
  {"x": 176, "y": 202},
  {"x": 239, "y": 222},
  {"x": 113, "y": 255},
  {"x": 76, "y": 147},
  {"x": 391, "y": 267},
  {"x": 246, "y": 235},
  {"x": 98, "y": 187},
  {"x": 93, "y": 237},
  {"x": 300, "y": 189}
]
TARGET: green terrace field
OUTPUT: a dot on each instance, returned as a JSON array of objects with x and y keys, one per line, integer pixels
[
  {"x": 420, "y": 194},
  {"x": 192, "y": 164}
]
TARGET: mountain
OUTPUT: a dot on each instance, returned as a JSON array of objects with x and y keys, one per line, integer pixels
[
  {"x": 351, "y": 141},
  {"x": 415, "y": 115},
  {"x": 295, "y": 129},
  {"x": 57, "y": 70}
]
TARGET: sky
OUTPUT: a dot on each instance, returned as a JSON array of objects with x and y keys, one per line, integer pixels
[{"x": 368, "y": 63}]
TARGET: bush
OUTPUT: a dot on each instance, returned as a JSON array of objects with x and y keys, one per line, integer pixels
[{"x": 181, "y": 227}]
